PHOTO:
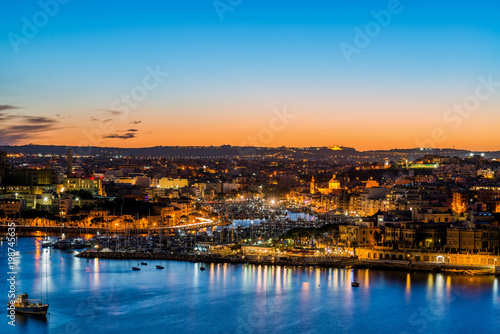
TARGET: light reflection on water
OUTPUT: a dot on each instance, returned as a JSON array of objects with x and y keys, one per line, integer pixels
[
  {"x": 106, "y": 295},
  {"x": 495, "y": 295}
]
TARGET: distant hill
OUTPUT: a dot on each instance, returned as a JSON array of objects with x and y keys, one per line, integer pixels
[{"x": 228, "y": 151}]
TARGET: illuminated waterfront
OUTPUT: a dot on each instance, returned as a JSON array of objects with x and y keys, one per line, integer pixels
[{"x": 106, "y": 296}]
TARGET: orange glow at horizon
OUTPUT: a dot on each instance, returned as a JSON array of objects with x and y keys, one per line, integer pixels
[{"x": 375, "y": 130}]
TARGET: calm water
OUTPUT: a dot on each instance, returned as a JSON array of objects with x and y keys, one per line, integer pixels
[{"x": 104, "y": 296}]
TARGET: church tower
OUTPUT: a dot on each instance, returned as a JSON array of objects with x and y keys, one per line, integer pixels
[{"x": 313, "y": 186}]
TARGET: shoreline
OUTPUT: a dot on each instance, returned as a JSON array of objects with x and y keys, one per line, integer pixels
[{"x": 295, "y": 262}]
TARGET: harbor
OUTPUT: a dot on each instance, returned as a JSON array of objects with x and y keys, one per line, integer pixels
[{"x": 104, "y": 294}]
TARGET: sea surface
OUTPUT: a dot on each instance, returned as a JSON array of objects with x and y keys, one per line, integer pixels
[{"x": 106, "y": 296}]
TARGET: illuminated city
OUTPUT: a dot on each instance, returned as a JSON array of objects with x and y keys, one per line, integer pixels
[{"x": 250, "y": 167}]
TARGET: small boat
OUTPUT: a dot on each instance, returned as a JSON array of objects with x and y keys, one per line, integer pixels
[
  {"x": 78, "y": 243},
  {"x": 47, "y": 242},
  {"x": 144, "y": 264},
  {"x": 22, "y": 304},
  {"x": 202, "y": 268},
  {"x": 160, "y": 267},
  {"x": 135, "y": 268},
  {"x": 62, "y": 244},
  {"x": 354, "y": 284}
]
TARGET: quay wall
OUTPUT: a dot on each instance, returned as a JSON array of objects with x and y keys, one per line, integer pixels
[{"x": 427, "y": 258}]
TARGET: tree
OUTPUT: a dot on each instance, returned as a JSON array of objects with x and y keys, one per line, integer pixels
[{"x": 83, "y": 194}]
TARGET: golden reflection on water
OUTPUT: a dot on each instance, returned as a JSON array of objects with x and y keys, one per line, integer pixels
[
  {"x": 335, "y": 280},
  {"x": 430, "y": 287},
  {"x": 278, "y": 278},
  {"x": 38, "y": 247},
  {"x": 211, "y": 277},
  {"x": 318, "y": 277},
  {"x": 448, "y": 288},
  {"x": 349, "y": 277},
  {"x": 259, "y": 278},
  {"x": 408, "y": 288},
  {"x": 265, "y": 277}
]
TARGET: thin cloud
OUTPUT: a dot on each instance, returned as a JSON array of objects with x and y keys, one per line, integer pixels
[
  {"x": 114, "y": 112},
  {"x": 39, "y": 120},
  {"x": 128, "y": 135},
  {"x": 95, "y": 119},
  {"x": 23, "y": 127},
  {"x": 135, "y": 122},
  {"x": 8, "y": 107}
]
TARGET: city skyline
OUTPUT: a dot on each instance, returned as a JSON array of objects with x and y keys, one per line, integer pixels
[
  {"x": 369, "y": 75},
  {"x": 237, "y": 166}
]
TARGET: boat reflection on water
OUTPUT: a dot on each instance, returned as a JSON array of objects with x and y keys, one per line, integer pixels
[{"x": 25, "y": 319}]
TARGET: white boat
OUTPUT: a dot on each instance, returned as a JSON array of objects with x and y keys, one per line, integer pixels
[
  {"x": 78, "y": 243},
  {"x": 47, "y": 242}
]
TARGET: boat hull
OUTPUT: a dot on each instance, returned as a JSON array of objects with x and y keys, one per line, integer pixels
[{"x": 41, "y": 310}]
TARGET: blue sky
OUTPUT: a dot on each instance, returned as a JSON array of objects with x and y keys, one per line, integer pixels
[{"x": 226, "y": 76}]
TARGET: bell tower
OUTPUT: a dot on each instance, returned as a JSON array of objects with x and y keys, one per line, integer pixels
[{"x": 313, "y": 186}]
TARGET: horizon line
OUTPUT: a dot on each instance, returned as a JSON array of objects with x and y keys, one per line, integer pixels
[{"x": 258, "y": 147}]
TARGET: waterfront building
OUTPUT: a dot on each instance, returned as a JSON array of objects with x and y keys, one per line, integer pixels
[
  {"x": 90, "y": 184},
  {"x": 11, "y": 206}
]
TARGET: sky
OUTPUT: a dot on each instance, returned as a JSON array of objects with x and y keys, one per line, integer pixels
[{"x": 363, "y": 74}]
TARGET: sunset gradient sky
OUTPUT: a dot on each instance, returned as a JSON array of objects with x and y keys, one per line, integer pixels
[{"x": 229, "y": 71}]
